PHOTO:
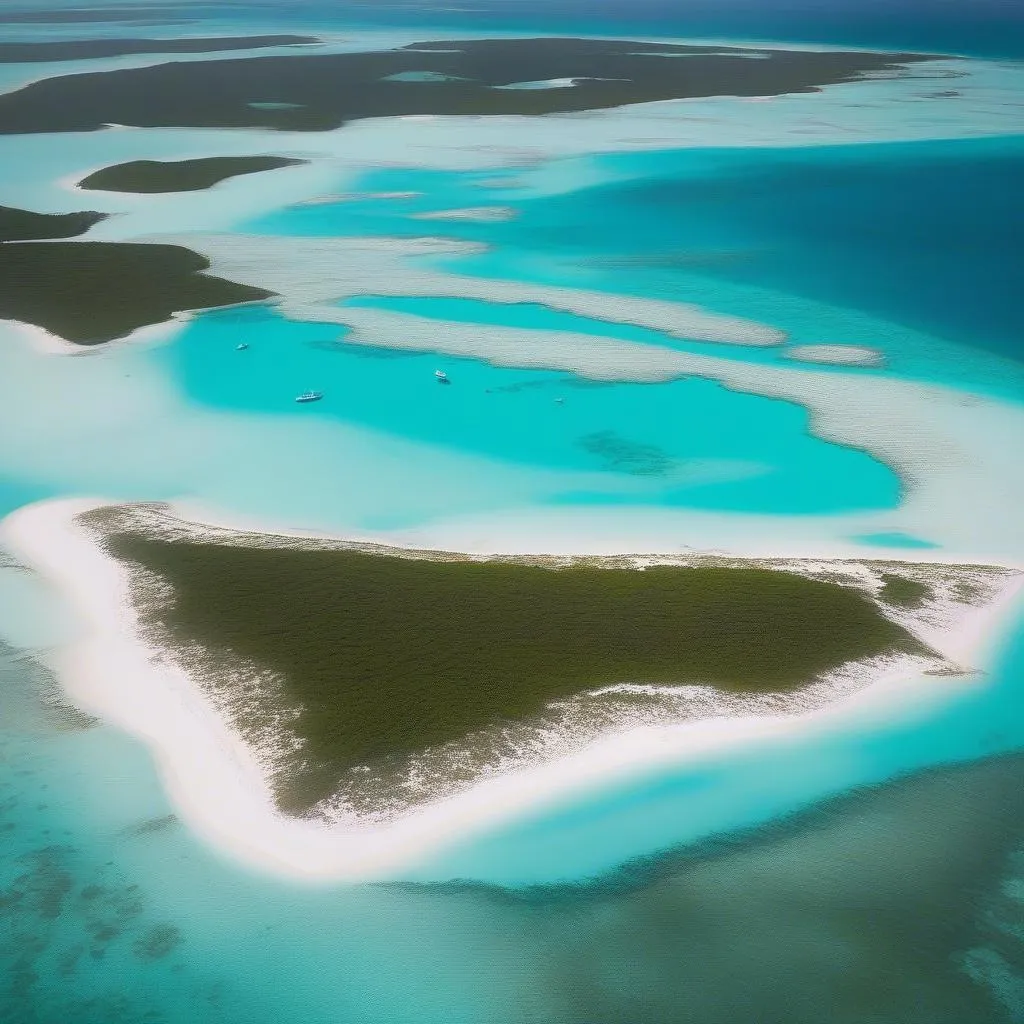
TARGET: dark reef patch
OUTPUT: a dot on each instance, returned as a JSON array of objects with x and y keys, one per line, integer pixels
[
  {"x": 24, "y": 225},
  {"x": 86, "y": 49},
  {"x": 624, "y": 456},
  {"x": 180, "y": 175},
  {"x": 158, "y": 942},
  {"x": 323, "y": 91},
  {"x": 381, "y": 656},
  {"x": 92, "y": 292}
]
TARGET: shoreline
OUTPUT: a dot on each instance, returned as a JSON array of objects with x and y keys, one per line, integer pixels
[{"x": 219, "y": 785}]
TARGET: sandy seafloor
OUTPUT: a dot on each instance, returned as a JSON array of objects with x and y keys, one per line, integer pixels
[{"x": 868, "y": 215}]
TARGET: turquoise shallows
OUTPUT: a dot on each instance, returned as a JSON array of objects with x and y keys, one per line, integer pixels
[
  {"x": 690, "y": 443},
  {"x": 896, "y": 539}
]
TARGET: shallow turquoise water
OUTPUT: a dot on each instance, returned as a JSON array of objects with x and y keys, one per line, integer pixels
[
  {"x": 895, "y": 540},
  {"x": 690, "y": 443}
]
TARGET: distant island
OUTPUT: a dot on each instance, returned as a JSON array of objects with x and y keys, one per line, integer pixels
[
  {"x": 322, "y": 91},
  {"x": 25, "y": 225},
  {"x": 93, "y": 292},
  {"x": 147, "y": 176},
  {"x": 91, "y": 49}
]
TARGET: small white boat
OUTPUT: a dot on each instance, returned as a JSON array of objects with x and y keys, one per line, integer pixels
[
  {"x": 309, "y": 396},
  {"x": 241, "y": 347},
  {"x": 441, "y": 376}
]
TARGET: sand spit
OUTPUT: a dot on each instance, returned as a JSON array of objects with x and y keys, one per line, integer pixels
[
  {"x": 473, "y": 214},
  {"x": 219, "y": 783},
  {"x": 313, "y": 275},
  {"x": 836, "y": 355}
]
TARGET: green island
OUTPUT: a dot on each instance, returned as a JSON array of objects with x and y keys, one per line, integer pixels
[
  {"x": 93, "y": 292},
  {"x": 322, "y": 91},
  {"x": 91, "y": 49},
  {"x": 25, "y": 225},
  {"x": 381, "y": 654},
  {"x": 180, "y": 175}
]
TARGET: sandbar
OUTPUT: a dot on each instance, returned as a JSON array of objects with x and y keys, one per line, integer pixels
[{"x": 836, "y": 355}]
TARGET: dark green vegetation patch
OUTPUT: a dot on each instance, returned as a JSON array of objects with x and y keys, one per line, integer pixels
[
  {"x": 22, "y": 225},
  {"x": 317, "y": 92},
  {"x": 904, "y": 592},
  {"x": 92, "y": 292},
  {"x": 90, "y": 49},
  {"x": 386, "y": 655},
  {"x": 180, "y": 175}
]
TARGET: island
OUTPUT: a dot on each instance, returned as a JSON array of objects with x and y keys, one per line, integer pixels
[
  {"x": 93, "y": 292},
  {"x": 322, "y": 91},
  {"x": 25, "y": 225},
  {"x": 358, "y": 660},
  {"x": 91, "y": 49},
  {"x": 70, "y": 16},
  {"x": 147, "y": 176},
  {"x": 337, "y": 708}
]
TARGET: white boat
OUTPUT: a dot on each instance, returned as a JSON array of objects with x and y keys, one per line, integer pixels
[
  {"x": 441, "y": 376},
  {"x": 309, "y": 396},
  {"x": 241, "y": 347}
]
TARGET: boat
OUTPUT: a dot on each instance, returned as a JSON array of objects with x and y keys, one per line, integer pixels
[
  {"x": 442, "y": 377},
  {"x": 309, "y": 396},
  {"x": 241, "y": 346}
]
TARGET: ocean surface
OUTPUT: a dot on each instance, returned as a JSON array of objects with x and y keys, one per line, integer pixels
[{"x": 872, "y": 871}]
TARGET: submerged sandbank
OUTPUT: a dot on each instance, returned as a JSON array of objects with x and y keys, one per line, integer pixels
[
  {"x": 837, "y": 355},
  {"x": 474, "y": 214},
  {"x": 313, "y": 275},
  {"x": 146, "y": 176},
  {"x": 220, "y": 779},
  {"x": 324, "y": 91}
]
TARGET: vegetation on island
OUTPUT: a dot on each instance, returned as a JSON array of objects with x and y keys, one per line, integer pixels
[
  {"x": 322, "y": 91},
  {"x": 30, "y": 52},
  {"x": 25, "y": 225},
  {"x": 904, "y": 592},
  {"x": 380, "y": 656},
  {"x": 180, "y": 175},
  {"x": 92, "y": 292}
]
